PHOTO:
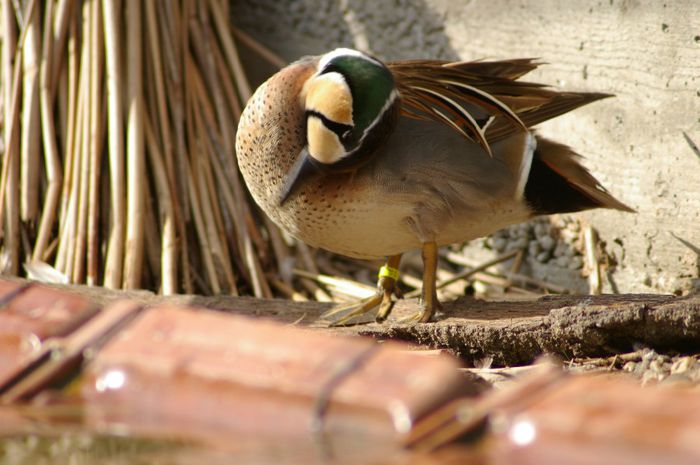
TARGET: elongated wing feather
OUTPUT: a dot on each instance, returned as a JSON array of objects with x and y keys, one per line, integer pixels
[{"x": 482, "y": 100}]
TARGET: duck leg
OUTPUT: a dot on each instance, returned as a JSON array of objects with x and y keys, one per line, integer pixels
[
  {"x": 429, "y": 300},
  {"x": 388, "y": 275}
]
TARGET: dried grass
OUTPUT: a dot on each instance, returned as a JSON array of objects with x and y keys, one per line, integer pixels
[{"x": 118, "y": 164}]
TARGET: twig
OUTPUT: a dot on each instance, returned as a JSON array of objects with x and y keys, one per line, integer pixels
[
  {"x": 467, "y": 273},
  {"x": 288, "y": 290},
  {"x": 346, "y": 286}
]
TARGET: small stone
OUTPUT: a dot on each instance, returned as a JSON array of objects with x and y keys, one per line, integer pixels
[
  {"x": 498, "y": 244},
  {"x": 543, "y": 257},
  {"x": 563, "y": 261},
  {"x": 559, "y": 249},
  {"x": 546, "y": 242},
  {"x": 629, "y": 367},
  {"x": 576, "y": 263},
  {"x": 541, "y": 229},
  {"x": 517, "y": 244},
  {"x": 682, "y": 365},
  {"x": 533, "y": 248},
  {"x": 480, "y": 288},
  {"x": 650, "y": 377},
  {"x": 569, "y": 235},
  {"x": 656, "y": 366}
]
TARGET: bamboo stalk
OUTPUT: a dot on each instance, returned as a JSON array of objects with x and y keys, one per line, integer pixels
[
  {"x": 159, "y": 87},
  {"x": 203, "y": 236},
  {"x": 133, "y": 258},
  {"x": 218, "y": 216},
  {"x": 70, "y": 227},
  {"x": 95, "y": 142},
  {"x": 206, "y": 46},
  {"x": 51, "y": 157},
  {"x": 174, "y": 61},
  {"x": 115, "y": 246},
  {"x": 214, "y": 219},
  {"x": 168, "y": 263},
  {"x": 29, "y": 145},
  {"x": 210, "y": 224},
  {"x": 190, "y": 89},
  {"x": 10, "y": 88},
  {"x": 9, "y": 211},
  {"x": 61, "y": 125},
  {"x": 81, "y": 190},
  {"x": 9, "y": 182},
  {"x": 245, "y": 236},
  {"x": 67, "y": 206},
  {"x": 179, "y": 97},
  {"x": 279, "y": 249},
  {"x": 230, "y": 50},
  {"x": 203, "y": 36},
  {"x": 19, "y": 14},
  {"x": 72, "y": 123},
  {"x": 60, "y": 31},
  {"x": 234, "y": 104},
  {"x": 151, "y": 263}
]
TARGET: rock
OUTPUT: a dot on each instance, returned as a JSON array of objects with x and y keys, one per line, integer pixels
[{"x": 546, "y": 242}]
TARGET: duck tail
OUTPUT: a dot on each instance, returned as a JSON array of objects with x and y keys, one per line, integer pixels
[{"x": 558, "y": 183}]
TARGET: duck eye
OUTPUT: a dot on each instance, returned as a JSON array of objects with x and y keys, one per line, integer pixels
[{"x": 343, "y": 131}]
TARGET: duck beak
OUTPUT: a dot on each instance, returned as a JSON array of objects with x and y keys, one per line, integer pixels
[{"x": 302, "y": 169}]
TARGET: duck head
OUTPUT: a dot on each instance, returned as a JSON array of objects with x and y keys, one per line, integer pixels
[{"x": 350, "y": 106}]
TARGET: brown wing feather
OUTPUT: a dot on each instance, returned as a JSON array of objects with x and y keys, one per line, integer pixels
[
  {"x": 507, "y": 69},
  {"x": 431, "y": 89},
  {"x": 555, "y": 105}
]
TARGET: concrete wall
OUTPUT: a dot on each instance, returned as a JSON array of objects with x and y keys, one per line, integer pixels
[{"x": 645, "y": 52}]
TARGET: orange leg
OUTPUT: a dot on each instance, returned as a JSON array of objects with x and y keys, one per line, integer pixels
[{"x": 430, "y": 301}]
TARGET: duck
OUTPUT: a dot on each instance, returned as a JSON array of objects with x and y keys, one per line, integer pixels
[{"x": 372, "y": 159}]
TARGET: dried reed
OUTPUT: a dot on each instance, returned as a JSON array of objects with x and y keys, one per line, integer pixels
[{"x": 118, "y": 163}]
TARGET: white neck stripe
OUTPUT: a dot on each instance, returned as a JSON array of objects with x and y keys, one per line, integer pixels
[{"x": 339, "y": 52}]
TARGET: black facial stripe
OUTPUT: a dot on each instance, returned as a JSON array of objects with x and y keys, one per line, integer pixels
[{"x": 341, "y": 130}]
